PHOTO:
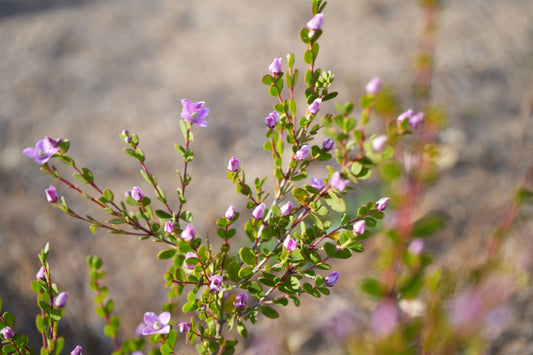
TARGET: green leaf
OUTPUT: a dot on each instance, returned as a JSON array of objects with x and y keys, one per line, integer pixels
[
  {"x": 245, "y": 273},
  {"x": 301, "y": 195},
  {"x": 247, "y": 256},
  {"x": 330, "y": 249},
  {"x": 241, "y": 329},
  {"x": 269, "y": 312},
  {"x": 273, "y": 91},
  {"x": 267, "y": 80},
  {"x": 163, "y": 214},
  {"x": 429, "y": 224},
  {"x": 166, "y": 254},
  {"x": 108, "y": 195},
  {"x": 335, "y": 202},
  {"x": 372, "y": 287}
]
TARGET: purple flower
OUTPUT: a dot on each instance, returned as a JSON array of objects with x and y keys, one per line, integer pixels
[
  {"x": 303, "y": 152},
  {"x": 384, "y": 319},
  {"x": 359, "y": 227},
  {"x": 314, "y": 107},
  {"x": 382, "y": 203},
  {"x": 41, "y": 274},
  {"x": 416, "y": 119},
  {"x": 169, "y": 227},
  {"x": 416, "y": 246},
  {"x": 135, "y": 193},
  {"x": 230, "y": 212},
  {"x": 404, "y": 116},
  {"x": 188, "y": 233},
  {"x": 156, "y": 324},
  {"x": 139, "y": 330},
  {"x": 194, "y": 113},
  {"x": 290, "y": 244},
  {"x": 275, "y": 67},
  {"x": 241, "y": 300},
  {"x": 234, "y": 164},
  {"x": 137, "y": 353},
  {"x": 317, "y": 184},
  {"x": 189, "y": 255},
  {"x": 51, "y": 194},
  {"x": 338, "y": 182},
  {"x": 328, "y": 144},
  {"x": 77, "y": 350},
  {"x": 466, "y": 309},
  {"x": 272, "y": 119},
  {"x": 216, "y": 283},
  {"x": 373, "y": 86},
  {"x": 332, "y": 279},
  {"x": 286, "y": 208},
  {"x": 7, "y": 332},
  {"x": 184, "y": 327},
  {"x": 43, "y": 151},
  {"x": 61, "y": 300},
  {"x": 379, "y": 142},
  {"x": 316, "y": 22},
  {"x": 259, "y": 211}
]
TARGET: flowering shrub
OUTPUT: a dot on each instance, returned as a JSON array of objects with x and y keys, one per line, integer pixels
[{"x": 290, "y": 234}]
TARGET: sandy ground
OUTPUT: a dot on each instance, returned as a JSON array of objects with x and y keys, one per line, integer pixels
[{"x": 86, "y": 72}]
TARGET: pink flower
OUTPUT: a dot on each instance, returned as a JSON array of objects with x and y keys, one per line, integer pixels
[
  {"x": 317, "y": 184},
  {"x": 156, "y": 324},
  {"x": 384, "y": 319},
  {"x": 314, "y": 107},
  {"x": 7, "y": 332},
  {"x": 259, "y": 211},
  {"x": 415, "y": 120},
  {"x": 216, "y": 283},
  {"x": 373, "y": 86},
  {"x": 272, "y": 119},
  {"x": 379, "y": 142},
  {"x": 290, "y": 244},
  {"x": 404, "y": 116},
  {"x": 303, "y": 153},
  {"x": 190, "y": 255},
  {"x": 184, "y": 327},
  {"x": 230, "y": 212},
  {"x": 234, "y": 164},
  {"x": 61, "y": 300},
  {"x": 43, "y": 151},
  {"x": 338, "y": 182},
  {"x": 77, "y": 350},
  {"x": 241, "y": 300},
  {"x": 359, "y": 227},
  {"x": 194, "y": 113},
  {"x": 169, "y": 227},
  {"x": 382, "y": 203},
  {"x": 286, "y": 208},
  {"x": 316, "y": 22},
  {"x": 41, "y": 274},
  {"x": 135, "y": 193},
  {"x": 51, "y": 194},
  {"x": 188, "y": 233},
  {"x": 275, "y": 67},
  {"x": 416, "y": 246}
]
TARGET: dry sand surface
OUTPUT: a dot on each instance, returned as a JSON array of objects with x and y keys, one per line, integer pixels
[{"x": 87, "y": 71}]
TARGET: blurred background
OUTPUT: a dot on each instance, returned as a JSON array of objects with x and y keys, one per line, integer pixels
[{"x": 86, "y": 70}]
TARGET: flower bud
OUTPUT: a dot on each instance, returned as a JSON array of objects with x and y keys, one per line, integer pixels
[
  {"x": 275, "y": 67},
  {"x": 241, "y": 300},
  {"x": 315, "y": 23},
  {"x": 314, "y": 107},
  {"x": 272, "y": 119},
  {"x": 416, "y": 119},
  {"x": 77, "y": 350},
  {"x": 332, "y": 279},
  {"x": 328, "y": 144},
  {"x": 259, "y": 211},
  {"x": 169, "y": 227},
  {"x": 416, "y": 246},
  {"x": 317, "y": 184},
  {"x": 290, "y": 244},
  {"x": 338, "y": 182},
  {"x": 234, "y": 164},
  {"x": 230, "y": 212},
  {"x": 303, "y": 153},
  {"x": 373, "y": 86},
  {"x": 189, "y": 255},
  {"x": 61, "y": 300},
  {"x": 382, "y": 203},
  {"x": 404, "y": 116},
  {"x": 286, "y": 208},
  {"x": 188, "y": 233},
  {"x": 216, "y": 283},
  {"x": 359, "y": 227},
  {"x": 125, "y": 133},
  {"x": 41, "y": 274},
  {"x": 184, "y": 327},
  {"x": 7, "y": 332},
  {"x": 379, "y": 142},
  {"x": 135, "y": 193},
  {"x": 51, "y": 194}
]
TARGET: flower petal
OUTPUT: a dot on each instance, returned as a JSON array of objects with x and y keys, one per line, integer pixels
[
  {"x": 164, "y": 317},
  {"x": 150, "y": 318}
]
